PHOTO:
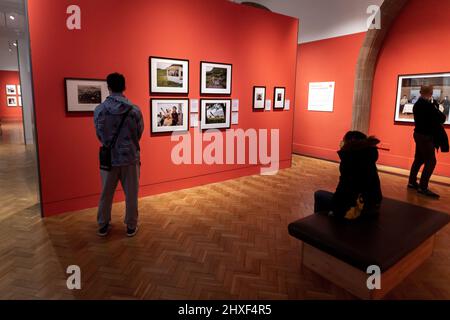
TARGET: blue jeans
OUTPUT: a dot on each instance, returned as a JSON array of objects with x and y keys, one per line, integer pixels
[{"x": 323, "y": 201}]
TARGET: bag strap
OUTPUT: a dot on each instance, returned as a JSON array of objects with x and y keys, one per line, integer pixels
[{"x": 122, "y": 121}]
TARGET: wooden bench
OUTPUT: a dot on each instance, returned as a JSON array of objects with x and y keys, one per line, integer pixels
[{"x": 398, "y": 242}]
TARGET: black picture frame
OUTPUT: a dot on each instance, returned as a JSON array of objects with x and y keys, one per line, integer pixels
[
  {"x": 398, "y": 93},
  {"x": 175, "y": 93},
  {"x": 81, "y": 112},
  {"x": 202, "y": 112},
  {"x": 225, "y": 94},
  {"x": 275, "y": 96},
  {"x": 153, "y": 132},
  {"x": 254, "y": 98}
]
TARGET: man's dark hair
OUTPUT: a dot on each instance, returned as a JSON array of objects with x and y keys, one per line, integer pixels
[
  {"x": 116, "y": 82},
  {"x": 354, "y": 136}
]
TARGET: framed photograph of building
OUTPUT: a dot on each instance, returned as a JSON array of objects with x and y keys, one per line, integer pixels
[
  {"x": 259, "y": 98},
  {"x": 215, "y": 114},
  {"x": 169, "y": 76},
  {"x": 215, "y": 78},
  {"x": 11, "y": 89},
  {"x": 279, "y": 97},
  {"x": 11, "y": 101},
  {"x": 408, "y": 92},
  {"x": 84, "y": 95},
  {"x": 169, "y": 115}
]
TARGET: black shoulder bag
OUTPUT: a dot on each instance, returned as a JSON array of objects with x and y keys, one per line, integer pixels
[{"x": 105, "y": 151}]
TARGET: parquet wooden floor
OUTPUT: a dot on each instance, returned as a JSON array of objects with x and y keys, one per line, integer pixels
[{"x": 226, "y": 240}]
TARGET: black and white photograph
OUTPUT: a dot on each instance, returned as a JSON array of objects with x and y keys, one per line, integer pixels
[
  {"x": 169, "y": 115},
  {"x": 84, "y": 95},
  {"x": 279, "y": 97},
  {"x": 11, "y": 101},
  {"x": 169, "y": 76},
  {"x": 89, "y": 94},
  {"x": 408, "y": 92},
  {"x": 215, "y": 114},
  {"x": 11, "y": 89},
  {"x": 215, "y": 78},
  {"x": 259, "y": 97}
]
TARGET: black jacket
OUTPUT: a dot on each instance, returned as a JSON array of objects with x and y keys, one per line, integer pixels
[
  {"x": 359, "y": 181},
  {"x": 427, "y": 117}
]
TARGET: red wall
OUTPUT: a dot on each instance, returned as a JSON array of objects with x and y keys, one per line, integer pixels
[
  {"x": 9, "y": 113},
  {"x": 318, "y": 134},
  {"x": 410, "y": 48},
  {"x": 119, "y": 36}
]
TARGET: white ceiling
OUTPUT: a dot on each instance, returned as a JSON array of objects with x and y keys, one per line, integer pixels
[
  {"x": 10, "y": 31},
  {"x": 323, "y": 19}
]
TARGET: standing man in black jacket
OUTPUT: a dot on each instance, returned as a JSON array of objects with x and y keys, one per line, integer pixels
[{"x": 428, "y": 120}]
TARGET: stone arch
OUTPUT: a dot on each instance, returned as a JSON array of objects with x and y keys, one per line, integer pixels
[{"x": 367, "y": 60}]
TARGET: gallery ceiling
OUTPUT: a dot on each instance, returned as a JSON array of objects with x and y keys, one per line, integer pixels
[
  {"x": 12, "y": 28},
  {"x": 323, "y": 19}
]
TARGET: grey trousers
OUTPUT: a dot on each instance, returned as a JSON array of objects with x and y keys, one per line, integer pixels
[
  {"x": 426, "y": 156},
  {"x": 129, "y": 179}
]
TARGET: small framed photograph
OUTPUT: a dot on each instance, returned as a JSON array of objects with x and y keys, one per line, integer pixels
[
  {"x": 11, "y": 101},
  {"x": 84, "y": 95},
  {"x": 19, "y": 90},
  {"x": 20, "y": 101},
  {"x": 408, "y": 92},
  {"x": 169, "y": 115},
  {"x": 259, "y": 98},
  {"x": 11, "y": 89},
  {"x": 215, "y": 78},
  {"x": 169, "y": 76},
  {"x": 279, "y": 97},
  {"x": 215, "y": 114}
]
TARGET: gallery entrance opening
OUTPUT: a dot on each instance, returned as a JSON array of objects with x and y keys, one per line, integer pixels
[{"x": 18, "y": 165}]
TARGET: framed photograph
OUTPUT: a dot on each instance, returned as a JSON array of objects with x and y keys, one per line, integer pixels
[
  {"x": 215, "y": 78},
  {"x": 19, "y": 91},
  {"x": 215, "y": 114},
  {"x": 11, "y": 89},
  {"x": 259, "y": 98},
  {"x": 84, "y": 95},
  {"x": 408, "y": 92},
  {"x": 279, "y": 97},
  {"x": 20, "y": 101},
  {"x": 11, "y": 101},
  {"x": 169, "y": 115},
  {"x": 169, "y": 76}
]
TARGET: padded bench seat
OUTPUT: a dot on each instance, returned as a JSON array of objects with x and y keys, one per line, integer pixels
[{"x": 401, "y": 229}]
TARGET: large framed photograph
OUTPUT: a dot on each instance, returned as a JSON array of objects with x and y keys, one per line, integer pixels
[
  {"x": 11, "y": 89},
  {"x": 169, "y": 115},
  {"x": 279, "y": 97},
  {"x": 215, "y": 78},
  {"x": 169, "y": 76},
  {"x": 84, "y": 95},
  {"x": 408, "y": 92},
  {"x": 259, "y": 98},
  {"x": 11, "y": 101},
  {"x": 215, "y": 114}
]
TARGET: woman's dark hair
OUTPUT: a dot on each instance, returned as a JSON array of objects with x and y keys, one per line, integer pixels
[
  {"x": 352, "y": 136},
  {"x": 116, "y": 82}
]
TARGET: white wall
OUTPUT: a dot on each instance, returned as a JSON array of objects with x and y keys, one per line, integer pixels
[{"x": 323, "y": 19}]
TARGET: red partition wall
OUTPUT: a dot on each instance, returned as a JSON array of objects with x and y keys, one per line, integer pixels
[
  {"x": 119, "y": 35},
  {"x": 415, "y": 44},
  {"x": 9, "y": 113},
  {"x": 318, "y": 134}
]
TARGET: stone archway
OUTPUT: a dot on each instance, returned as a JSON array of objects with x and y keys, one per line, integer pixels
[{"x": 367, "y": 60}]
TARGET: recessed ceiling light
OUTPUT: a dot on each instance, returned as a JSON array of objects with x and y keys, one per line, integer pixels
[
  {"x": 15, "y": 44},
  {"x": 12, "y": 17}
]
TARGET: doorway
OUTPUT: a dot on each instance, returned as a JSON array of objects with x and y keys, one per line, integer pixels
[{"x": 19, "y": 183}]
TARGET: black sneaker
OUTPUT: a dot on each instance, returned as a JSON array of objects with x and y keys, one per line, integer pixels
[
  {"x": 428, "y": 193},
  {"x": 132, "y": 232},
  {"x": 103, "y": 232},
  {"x": 414, "y": 186}
]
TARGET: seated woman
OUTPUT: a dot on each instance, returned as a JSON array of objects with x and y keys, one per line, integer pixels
[{"x": 358, "y": 193}]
